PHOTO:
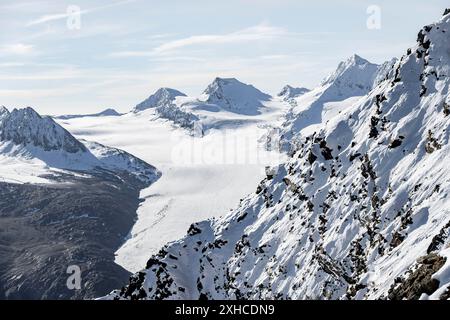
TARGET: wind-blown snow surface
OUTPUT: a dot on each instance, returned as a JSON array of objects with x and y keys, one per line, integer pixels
[
  {"x": 350, "y": 215},
  {"x": 202, "y": 176}
]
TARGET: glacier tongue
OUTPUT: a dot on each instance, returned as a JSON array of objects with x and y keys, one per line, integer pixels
[{"x": 360, "y": 211}]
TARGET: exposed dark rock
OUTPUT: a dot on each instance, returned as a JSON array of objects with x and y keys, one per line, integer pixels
[
  {"x": 311, "y": 157},
  {"x": 395, "y": 143},
  {"x": 432, "y": 144},
  {"x": 419, "y": 281},
  {"x": 193, "y": 230},
  {"x": 44, "y": 229},
  {"x": 354, "y": 156},
  {"x": 326, "y": 152},
  {"x": 446, "y": 109},
  {"x": 439, "y": 240}
]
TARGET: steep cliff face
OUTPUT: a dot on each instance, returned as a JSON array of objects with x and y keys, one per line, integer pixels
[{"x": 360, "y": 211}]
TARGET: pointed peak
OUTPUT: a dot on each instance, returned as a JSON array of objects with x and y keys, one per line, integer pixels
[
  {"x": 26, "y": 113},
  {"x": 231, "y": 83},
  {"x": 170, "y": 91},
  {"x": 105, "y": 113},
  {"x": 161, "y": 97},
  {"x": 27, "y": 127},
  {"x": 3, "y": 110},
  {"x": 289, "y": 92},
  {"x": 355, "y": 71},
  {"x": 109, "y": 112},
  {"x": 235, "y": 96},
  {"x": 357, "y": 60},
  {"x": 219, "y": 83},
  {"x": 226, "y": 80}
]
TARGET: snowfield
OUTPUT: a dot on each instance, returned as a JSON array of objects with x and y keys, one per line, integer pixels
[{"x": 202, "y": 176}]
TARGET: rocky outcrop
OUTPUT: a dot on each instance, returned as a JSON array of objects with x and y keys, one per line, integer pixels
[{"x": 419, "y": 281}]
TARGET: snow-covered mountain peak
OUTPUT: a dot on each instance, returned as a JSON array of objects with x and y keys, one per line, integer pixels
[
  {"x": 109, "y": 112},
  {"x": 3, "y": 112},
  {"x": 161, "y": 97},
  {"x": 235, "y": 96},
  {"x": 27, "y": 127},
  {"x": 34, "y": 148},
  {"x": 355, "y": 73},
  {"x": 289, "y": 92}
]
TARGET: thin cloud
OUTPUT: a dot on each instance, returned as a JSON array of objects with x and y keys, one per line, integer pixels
[
  {"x": 259, "y": 32},
  {"x": 11, "y": 64},
  {"x": 17, "y": 49},
  {"x": 256, "y": 33}
]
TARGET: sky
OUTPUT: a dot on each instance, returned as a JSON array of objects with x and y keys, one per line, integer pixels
[{"x": 82, "y": 56}]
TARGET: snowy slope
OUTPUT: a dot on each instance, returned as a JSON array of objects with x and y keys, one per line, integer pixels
[
  {"x": 353, "y": 78},
  {"x": 360, "y": 210},
  {"x": 35, "y": 149}
]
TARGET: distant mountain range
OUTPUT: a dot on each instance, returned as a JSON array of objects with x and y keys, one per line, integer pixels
[{"x": 105, "y": 113}]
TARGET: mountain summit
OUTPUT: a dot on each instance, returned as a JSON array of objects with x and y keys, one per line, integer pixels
[
  {"x": 27, "y": 138},
  {"x": 109, "y": 112},
  {"x": 355, "y": 74},
  {"x": 27, "y": 127},
  {"x": 235, "y": 96},
  {"x": 288, "y": 92},
  {"x": 162, "y": 97}
]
